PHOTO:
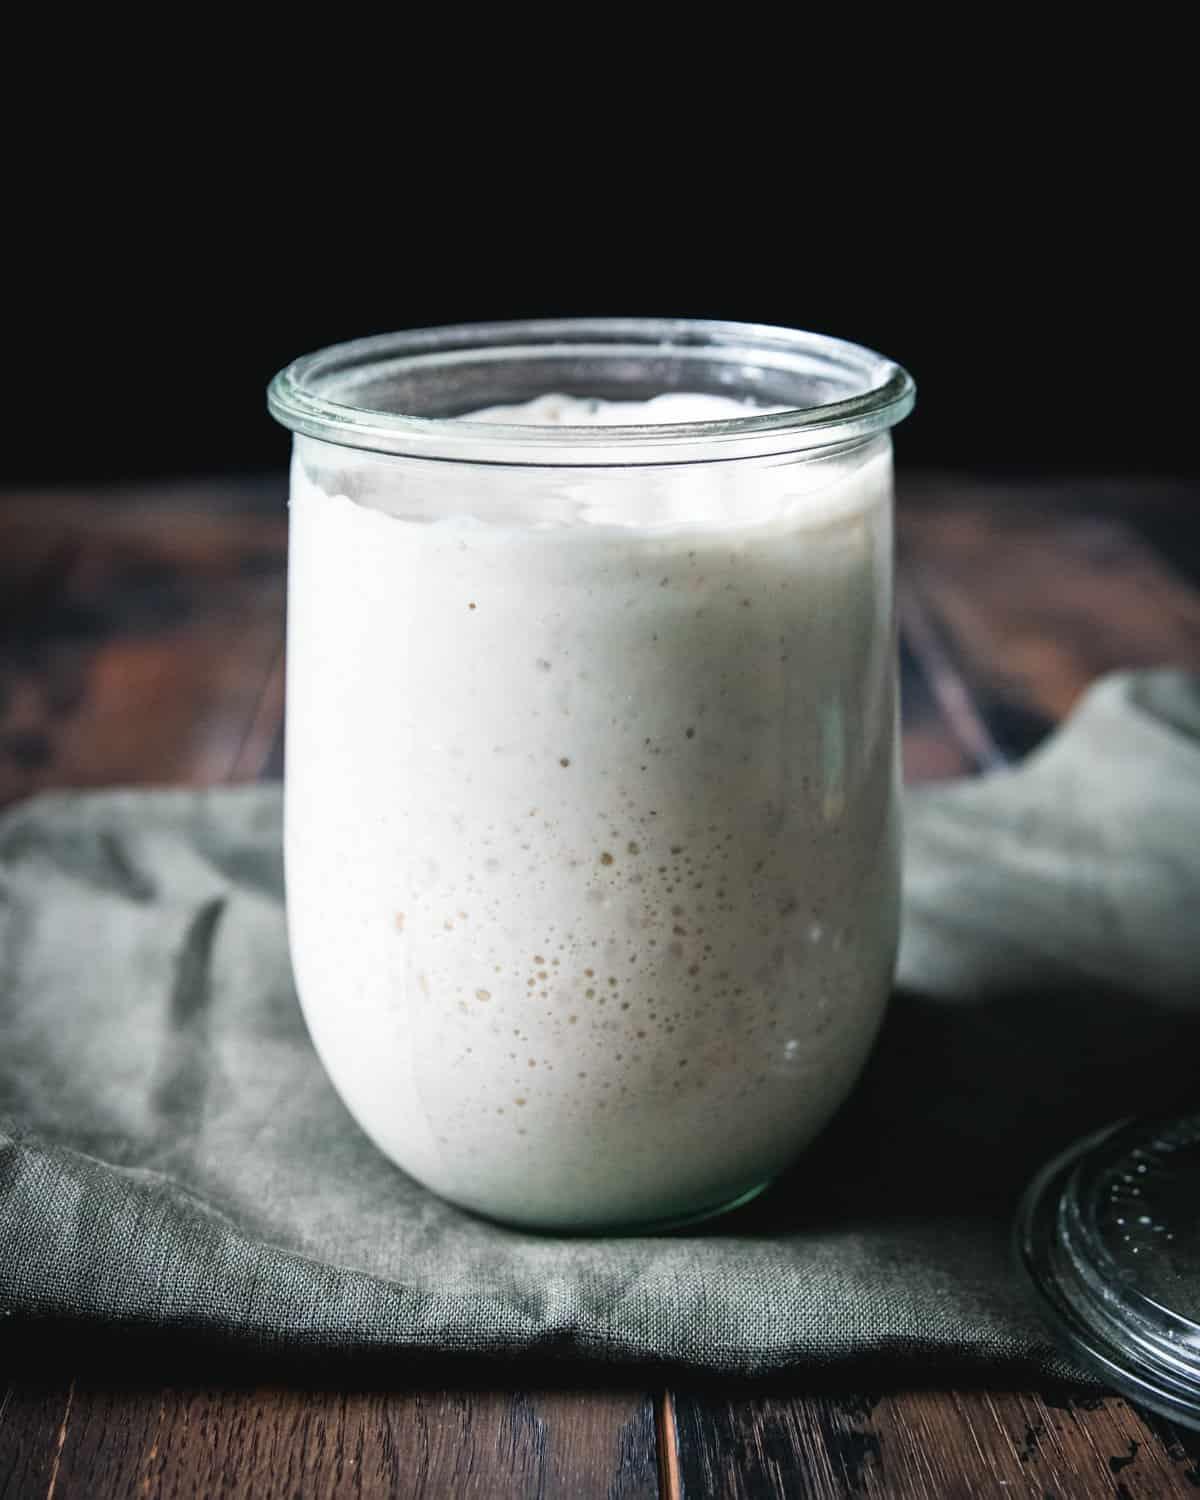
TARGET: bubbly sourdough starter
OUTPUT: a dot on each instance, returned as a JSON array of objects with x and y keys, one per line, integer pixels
[{"x": 591, "y": 844}]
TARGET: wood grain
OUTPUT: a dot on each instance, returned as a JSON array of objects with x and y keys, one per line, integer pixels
[
  {"x": 1038, "y": 600},
  {"x": 926, "y": 1446},
  {"x": 138, "y": 636},
  {"x": 84, "y": 1439}
]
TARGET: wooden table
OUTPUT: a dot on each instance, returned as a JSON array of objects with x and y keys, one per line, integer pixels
[{"x": 141, "y": 640}]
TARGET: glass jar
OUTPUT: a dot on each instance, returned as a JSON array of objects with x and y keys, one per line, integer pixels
[{"x": 591, "y": 786}]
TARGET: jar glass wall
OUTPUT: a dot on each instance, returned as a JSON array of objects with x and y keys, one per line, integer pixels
[{"x": 591, "y": 787}]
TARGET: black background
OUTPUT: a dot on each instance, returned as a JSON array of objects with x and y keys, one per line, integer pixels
[{"x": 1039, "y": 283}]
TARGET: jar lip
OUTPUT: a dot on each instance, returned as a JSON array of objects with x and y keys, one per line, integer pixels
[{"x": 310, "y": 396}]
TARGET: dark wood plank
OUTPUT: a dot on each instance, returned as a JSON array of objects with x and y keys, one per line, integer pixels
[
  {"x": 1164, "y": 513},
  {"x": 139, "y": 636},
  {"x": 1036, "y": 603},
  {"x": 85, "y": 1440},
  {"x": 925, "y": 1446},
  {"x": 34, "y": 1414}
]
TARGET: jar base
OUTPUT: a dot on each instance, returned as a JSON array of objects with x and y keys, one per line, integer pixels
[{"x": 626, "y": 1228}]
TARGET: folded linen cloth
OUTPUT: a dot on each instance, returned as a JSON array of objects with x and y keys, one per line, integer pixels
[{"x": 173, "y": 1159}]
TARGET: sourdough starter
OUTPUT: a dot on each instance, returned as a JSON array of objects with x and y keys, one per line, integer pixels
[{"x": 591, "y": 843}]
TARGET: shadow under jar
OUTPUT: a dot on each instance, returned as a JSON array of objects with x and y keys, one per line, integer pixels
[{"x": 591, "y": 789}]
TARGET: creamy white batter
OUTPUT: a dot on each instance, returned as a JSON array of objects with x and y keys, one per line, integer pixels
[{"x": 591, "y": 844}]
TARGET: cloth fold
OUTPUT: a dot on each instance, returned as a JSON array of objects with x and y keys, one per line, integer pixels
[{"x": 172, "y": 1158}]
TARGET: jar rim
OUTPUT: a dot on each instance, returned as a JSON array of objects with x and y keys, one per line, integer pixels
[{"x": 313, "y": 396}]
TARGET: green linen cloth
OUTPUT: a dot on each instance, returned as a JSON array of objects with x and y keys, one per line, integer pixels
[{"x": 173, "y": 1159}]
